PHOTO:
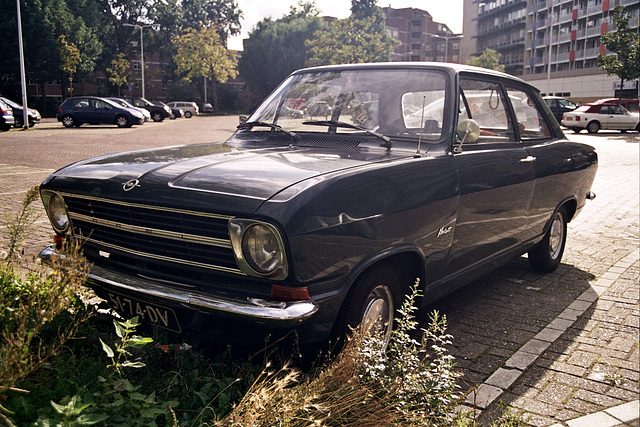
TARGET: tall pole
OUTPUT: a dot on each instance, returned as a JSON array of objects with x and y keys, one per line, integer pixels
[
  {"x": 141, "y": 27},
  {"x": 142, "y": 58},
  {"x": 23, "y": 79}
]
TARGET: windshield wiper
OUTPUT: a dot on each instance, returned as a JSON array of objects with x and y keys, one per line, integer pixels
[
  {"x": 249, "y": 125},
  {"x": 334, "y": 123}
]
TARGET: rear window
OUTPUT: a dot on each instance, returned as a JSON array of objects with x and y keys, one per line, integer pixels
[{"x": 588, "y": 109}]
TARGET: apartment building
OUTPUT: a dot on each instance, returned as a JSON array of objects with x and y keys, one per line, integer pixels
[
  {"x": 553, "y": 44},
  {"x": 421, "y": 39}
]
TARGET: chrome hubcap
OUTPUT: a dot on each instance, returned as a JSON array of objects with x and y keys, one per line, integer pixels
[
  {"x": 556, "y": 236},
  {"x": 378, "y": 314}
]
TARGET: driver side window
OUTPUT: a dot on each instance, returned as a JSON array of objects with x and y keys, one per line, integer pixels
[{"x": 483, "y": 102}]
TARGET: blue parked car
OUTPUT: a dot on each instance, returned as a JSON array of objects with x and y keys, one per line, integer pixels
[
  {"x": 316, "y": 223},
  {"x": 90, "y": 109}
]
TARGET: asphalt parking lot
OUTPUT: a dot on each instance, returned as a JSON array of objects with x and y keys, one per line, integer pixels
[{"x": 562, "y": 347}]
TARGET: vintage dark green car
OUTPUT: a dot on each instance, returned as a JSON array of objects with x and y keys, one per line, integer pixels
[{"x": 322, "y": 209}]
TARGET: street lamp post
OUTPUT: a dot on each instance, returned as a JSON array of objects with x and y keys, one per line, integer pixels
[{"x": 155, "y": 27}]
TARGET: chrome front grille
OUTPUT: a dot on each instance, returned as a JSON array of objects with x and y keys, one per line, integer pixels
[{"x": 154, "y": 233}]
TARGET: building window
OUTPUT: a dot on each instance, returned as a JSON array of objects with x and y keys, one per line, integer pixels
[{"x": 136, "y": 65}]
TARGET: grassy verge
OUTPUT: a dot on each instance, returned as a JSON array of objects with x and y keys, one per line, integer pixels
[{"x": 65, "y": 363}]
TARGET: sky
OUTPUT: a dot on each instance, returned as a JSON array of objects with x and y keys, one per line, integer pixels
[{"x": 445, "y": 11}]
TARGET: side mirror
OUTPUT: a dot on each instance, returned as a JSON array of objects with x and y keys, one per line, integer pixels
[
  {"x": 243, "y": 119},
  {"x": 468, "y": 130}
]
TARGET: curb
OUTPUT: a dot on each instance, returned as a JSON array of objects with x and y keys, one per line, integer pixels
[
  {"x": 616, "y": 416},
  {"x": 488, "y": 392}
]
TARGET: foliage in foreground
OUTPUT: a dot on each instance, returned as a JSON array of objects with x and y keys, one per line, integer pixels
[
  {"x": 61, "y": 364},
  {"x": 412, "y": 383}
]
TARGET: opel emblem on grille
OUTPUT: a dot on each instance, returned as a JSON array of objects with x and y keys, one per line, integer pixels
[{"x": 130, "y": 185}]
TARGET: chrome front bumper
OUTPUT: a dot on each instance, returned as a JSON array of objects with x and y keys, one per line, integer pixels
[{"x": 270, "y": 313}]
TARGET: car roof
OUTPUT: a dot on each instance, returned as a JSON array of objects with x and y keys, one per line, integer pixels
[
  {"x": 614, "y": 100},
  {"x": 456, "y": 68}
]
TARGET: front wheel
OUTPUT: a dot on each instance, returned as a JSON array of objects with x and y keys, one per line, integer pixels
[
  {"x": 370, "y": 304},
  {"x": 122, "y": 121},
  {"x": 157, "y": 117},
  {"x": 545, "y": 257},
  {"x": 188, "y": 114},
  {"x": 17, "y": 122},
  {"x": 593, "y": 127}
]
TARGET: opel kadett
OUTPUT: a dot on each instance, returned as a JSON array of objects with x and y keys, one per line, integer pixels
[{"x": 322, "y": 216}]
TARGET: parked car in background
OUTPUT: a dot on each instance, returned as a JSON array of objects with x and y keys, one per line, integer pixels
[
  {"x": 190, "y": 109},
  {"x": 320, "y": 224},
  {"x": 18, "y": 113},
  {"x": 559, "y": 106},
  {"x": 6, "y": 117},
  {"x": 175, "y": 112},
  {"x": 158, "y": 113},
  {"x": 594, "y": 117},
  {"x": 206, "y": 108},
  {"x": 121, "y": 102},
  {"x": 79, "y": 110},
  {"x": 629, "y": 103}
]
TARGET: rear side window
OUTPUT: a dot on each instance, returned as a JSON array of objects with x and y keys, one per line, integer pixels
[
  {"x": 531, "y": 123},
  {"x": 81, "y": 103}
]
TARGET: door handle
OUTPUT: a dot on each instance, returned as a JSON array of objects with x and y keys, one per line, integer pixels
[{"x": 528, "y": 159}]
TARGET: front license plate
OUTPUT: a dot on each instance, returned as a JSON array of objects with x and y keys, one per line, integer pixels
[{"x": 147, "y": 312}]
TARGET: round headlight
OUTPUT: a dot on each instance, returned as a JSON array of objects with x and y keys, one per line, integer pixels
[
  {"x": 262, "y": 249},
  {"x": 58, "y": 213}
]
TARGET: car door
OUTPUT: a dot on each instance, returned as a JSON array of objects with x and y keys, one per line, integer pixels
[
  {"x": 103, "y": 112},
  {"x": 619, "y": 118},
  {"x": 496, "y": 179},
  {"x": 545, "y": 154},
  {"x": 605, "y": 117}
]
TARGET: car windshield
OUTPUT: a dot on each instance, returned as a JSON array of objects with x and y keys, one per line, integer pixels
[
  {"x": 397, "y": 103},
  {"x": 11, "y": 104}
]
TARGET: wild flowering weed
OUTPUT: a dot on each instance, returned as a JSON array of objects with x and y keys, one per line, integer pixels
[{"x": 407, "y": 382}]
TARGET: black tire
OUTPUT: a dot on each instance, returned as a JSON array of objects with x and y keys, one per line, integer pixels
[
  {"x": 17, "y": 122},
  {"x": 68, "y": 121},
  {"x": 157, "y": 117},
  {"x": 593, "y": 127},
  {"x": 545, "y": 257},
  {"x": 122, "y": 121},
  {"x": 372, "y": 301},
  {"x": 188, "y": 114}
]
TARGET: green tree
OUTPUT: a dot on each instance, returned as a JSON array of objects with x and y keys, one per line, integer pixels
[
  {"x": 350, "y": 41},
  {"x": 200, "y": 53},
  {"x": 69, "y": 60},
  {"x": 118, "y": 71},
  {"x": 276, "y": 48},
  {"x": 489, "y": 59},
  {"x": 43, "y": 21},
  {"x": 625, "y": 45},
  {"x": 362, "y": 37}
]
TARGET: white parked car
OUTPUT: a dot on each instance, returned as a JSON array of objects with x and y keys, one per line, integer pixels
[
  {"x": 190, "y": 108},
  {"x": 594, "y": 117},
  {"x": 123, "y": 103}
]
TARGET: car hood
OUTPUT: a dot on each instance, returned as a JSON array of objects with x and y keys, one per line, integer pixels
[{"x": 212, "y": 175}]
